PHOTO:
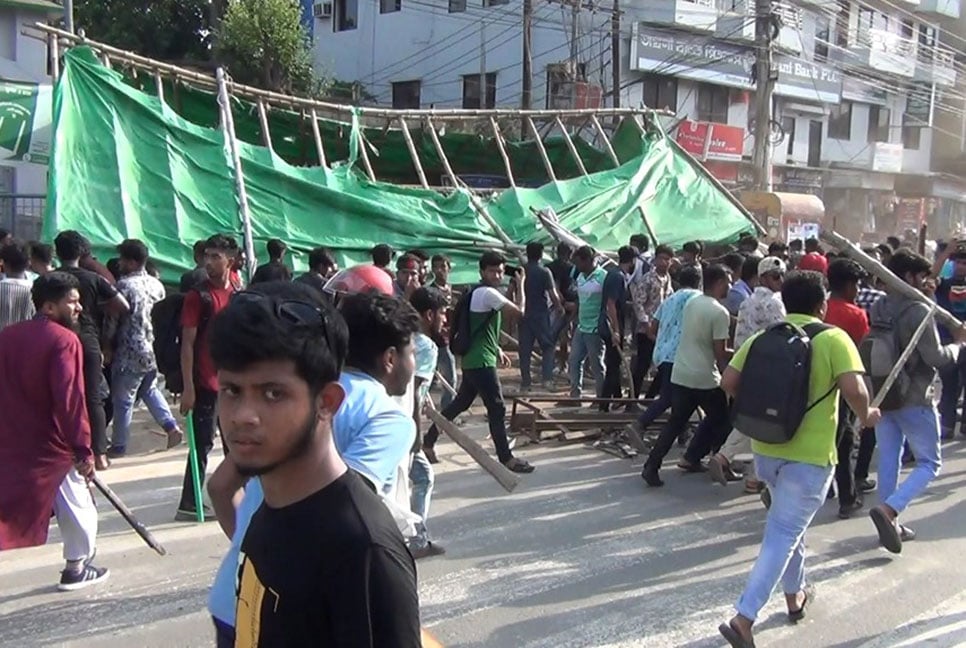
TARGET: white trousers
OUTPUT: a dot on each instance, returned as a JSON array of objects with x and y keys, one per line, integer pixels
[
  {"x": 738, "y": 446},
  {"x": 76, "y": 516}
]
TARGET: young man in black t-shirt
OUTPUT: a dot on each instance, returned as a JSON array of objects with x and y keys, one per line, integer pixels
[{"x": 322, "y": 563}]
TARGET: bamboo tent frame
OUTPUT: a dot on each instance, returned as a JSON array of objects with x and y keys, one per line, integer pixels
[{"x": 313, "y": 110}]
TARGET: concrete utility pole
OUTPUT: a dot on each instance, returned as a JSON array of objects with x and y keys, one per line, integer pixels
[
  {"x": 764, "y": 88},
  {"x": 482, "y": 65},
  {"x": 527, "y": 88},
  {"x": 615, "y": 53}
]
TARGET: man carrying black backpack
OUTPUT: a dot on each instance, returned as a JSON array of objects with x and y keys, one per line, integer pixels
[{"x": 797, "y": 465}]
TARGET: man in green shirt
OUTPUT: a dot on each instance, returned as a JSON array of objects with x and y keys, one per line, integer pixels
[
  {"x": 587, "y": 343},
  {"x": 798, "y": 473},
  {"x": 480, "y": 361}
]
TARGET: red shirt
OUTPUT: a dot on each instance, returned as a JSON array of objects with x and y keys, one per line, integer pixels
[
  {"x": 193, "y": 316},
  {"x": 814, "y": 261},
  {"x": 848, "y": 317}
]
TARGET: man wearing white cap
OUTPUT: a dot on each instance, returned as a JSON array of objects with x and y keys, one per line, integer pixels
[{"x": 759, "y": 311}]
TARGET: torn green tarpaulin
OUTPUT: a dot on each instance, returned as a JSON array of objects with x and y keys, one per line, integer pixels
[{"x": 125, "y": 164}]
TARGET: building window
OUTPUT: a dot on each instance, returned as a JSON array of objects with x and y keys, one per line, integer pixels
[
  {"x": 457, "y": 6},
  {"x": 390, "y": 6},
  {"x": 788, "y": 128},
  {"x": 659, "y": 92},
  {"x": 713, "y": 103},
  {"x": 493, "y": 3},
  {"x": 346, "y": 15},
  {"x": 405, "y": 94},
  {"x": 907, "y": 28},
  {"x": 822, "y": 29},
  {"x": 878, "y": 124},
  {"x": 471, "y": 90},
  {"x": 911, "y": 133},
  {"x": 840, "y": 121},
  {"x": 842, "y": 24}
]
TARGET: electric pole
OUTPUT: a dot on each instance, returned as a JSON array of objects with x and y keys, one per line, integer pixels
[
  {"x": 527, "y": 54},
  {"x": 764, "y": 88},
  {"x": 482, "y": 65},
  {"x": 615, "y": 53}
]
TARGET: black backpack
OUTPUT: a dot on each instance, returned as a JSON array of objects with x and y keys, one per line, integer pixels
[
  {"x": 461, "y": 337},
  {"x": 166, "y": 320},
  {"x": 772, "y": 396}
]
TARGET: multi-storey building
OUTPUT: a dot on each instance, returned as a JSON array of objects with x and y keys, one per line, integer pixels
[{"x": 864, "y": 87}]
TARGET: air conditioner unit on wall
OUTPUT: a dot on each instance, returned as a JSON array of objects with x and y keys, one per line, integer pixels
[{"x": 322, "y": 10}]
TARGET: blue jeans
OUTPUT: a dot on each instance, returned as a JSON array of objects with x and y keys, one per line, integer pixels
[
  {"x": 128, "y": 388},
  {"x": 536, "y": 330},
  {"x": 591, "y": 347},
  {"x": 446, "y": 366},
  {"x": 954, "y": 384},
  {"x": 798, "y": 491},
  {"x": 421, "y": 474},
  {"x": 920, "y": 427}
]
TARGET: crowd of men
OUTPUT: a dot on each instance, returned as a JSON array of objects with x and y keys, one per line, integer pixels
[{"x": 318, "y": 386}]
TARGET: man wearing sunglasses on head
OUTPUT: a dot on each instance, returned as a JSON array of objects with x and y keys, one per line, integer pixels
[{"x": 322, "y": 562}]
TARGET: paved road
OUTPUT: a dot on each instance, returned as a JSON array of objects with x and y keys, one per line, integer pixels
[{"x": 582, "y": 555}]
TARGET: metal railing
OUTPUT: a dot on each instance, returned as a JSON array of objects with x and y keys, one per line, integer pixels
[{"x": 22, "y": 214}]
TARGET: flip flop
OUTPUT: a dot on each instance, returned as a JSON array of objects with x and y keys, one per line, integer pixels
[
  {"x": 734, "y": 637},
  {"x": 797, "y": 615},
  {"x": 888, "y": 533}
]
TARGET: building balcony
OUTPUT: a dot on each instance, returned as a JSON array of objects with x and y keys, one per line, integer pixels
[
  {"x": 790, "y": 35},
  {"x": 939, "y": 9},
  {"x": 735, "y": 20},
  {"x": 693, "y": 15},
  {"x": 879, "y": 50},
  {"x": 936, "y": 67}
]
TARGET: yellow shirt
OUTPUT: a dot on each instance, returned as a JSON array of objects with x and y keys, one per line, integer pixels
[{"x": 833, "y": 354}]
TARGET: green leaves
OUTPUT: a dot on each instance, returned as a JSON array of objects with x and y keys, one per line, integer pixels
[{"x": 169, "y": 30}]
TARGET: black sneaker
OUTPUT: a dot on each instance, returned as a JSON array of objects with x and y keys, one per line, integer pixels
[
  {"x": 85, "y": 577},
  {"x": 191, "y": 515},
  {"x": 518, "y": 465},
  {"x": 428, "y": 551},
  {"x": 847, "y": 510},
  {"x": 865, "y": 486}
]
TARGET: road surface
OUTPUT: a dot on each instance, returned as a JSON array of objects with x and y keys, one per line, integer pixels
[{"x": 581, "y": 555}]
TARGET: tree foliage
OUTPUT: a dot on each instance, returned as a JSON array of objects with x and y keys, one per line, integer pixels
[
  {"x": 263, "y": 43},
  {"x": 169, "y": 30}
]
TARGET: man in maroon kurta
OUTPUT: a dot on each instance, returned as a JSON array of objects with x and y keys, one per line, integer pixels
[{"x": 45, "y": 435}]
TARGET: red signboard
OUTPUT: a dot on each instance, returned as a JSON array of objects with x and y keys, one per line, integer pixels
[{"x": 709, "y": 141}]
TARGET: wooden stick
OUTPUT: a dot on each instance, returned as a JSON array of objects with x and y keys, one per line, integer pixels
[
  {"x": 606, "y": 140},
  {"x": 263, "y": 124},
  {"x": 317, "y": 136},
  {"x": 542, "y": 150},
  {"x": 506, "y": 158},
  {"x": 570, "y": 145},
  {"x": 441, "y": 153},
  {"x": 159, "y": 84},
  {"x": 364, "y": 150},
  {"x": 445, "y": 383},
  {"x": 505, "y": 477},
  {"x": 128, "y": 516},
  {"x": 413, "y": 153},
  {"x": 893, "y": 282}
]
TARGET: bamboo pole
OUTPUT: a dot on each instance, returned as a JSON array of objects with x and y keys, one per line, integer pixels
[
  {"x": 894, "y": 283},
  {"x": 500, "y": 145},
  {"x": 441, "y": 153},
  {"x": 364, "y": 150},
  {"x": 106, "y": 60},
  {"x": 570, "y": 145},
  {"x": 253, "y": 94},
  {"x": 263, "y": 124},
  {"x": 317, "y": 136},
  {"x": 541, "y": 149},
  {"x": 159, "y": 84},
  {"x": 54, "y": 57},
  {"x": 606, "y": 140},
  {"x": 411, "y": 146},
  {"x": 228, "y": 128}
]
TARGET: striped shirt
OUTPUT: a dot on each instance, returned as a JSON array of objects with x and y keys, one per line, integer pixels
[
  {"x": 867, "y": 297},
  {"x": 16, "y": 304}
]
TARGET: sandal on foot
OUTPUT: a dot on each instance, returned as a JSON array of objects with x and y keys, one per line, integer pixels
[
  {"x": 734, "y": 637},
  {"x": 797, "y": 615},
  {"x": 718, "y": 469},
  {"x": 175, "y": 437},
  {"x": 518, "y": 465}
]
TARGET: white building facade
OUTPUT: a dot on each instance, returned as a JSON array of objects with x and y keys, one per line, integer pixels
[{"x": 862, "y": 85}]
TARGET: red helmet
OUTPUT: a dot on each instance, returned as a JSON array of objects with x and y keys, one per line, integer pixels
[{"x": 360, "y": 279}]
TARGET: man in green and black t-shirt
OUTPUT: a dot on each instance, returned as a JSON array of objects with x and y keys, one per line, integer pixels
[{"x": 480, "y": 361}]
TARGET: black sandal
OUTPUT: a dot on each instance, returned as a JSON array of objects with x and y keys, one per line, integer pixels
[
  {"x": 518, "y": 465},
  {"x": 889, "y": 534},
  {"x": 797, "y": 615},
  {"x": 734, "y": 637}
]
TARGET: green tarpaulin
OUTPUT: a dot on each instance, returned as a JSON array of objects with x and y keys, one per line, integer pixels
[{"x": 127, "y": 165}]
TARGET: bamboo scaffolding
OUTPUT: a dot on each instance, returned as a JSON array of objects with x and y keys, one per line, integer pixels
[
  {"x": 433, "y": 135},
  {"x": 159, "y": 84},
  {"x": 364, "y": 150},
  {"x": 317, "y": 136},
  {"x": 263, "y": 125},
  {"x": 570, "y": 145},
  {"x": 500, "y": 145},
  {"x": 253, "y": 94},
  {"x": 54, "y": 46},
  {"x": 605, "y": 140},
  {"x": 541, "y": 149},
  {"x": 411, "y": 146}
]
